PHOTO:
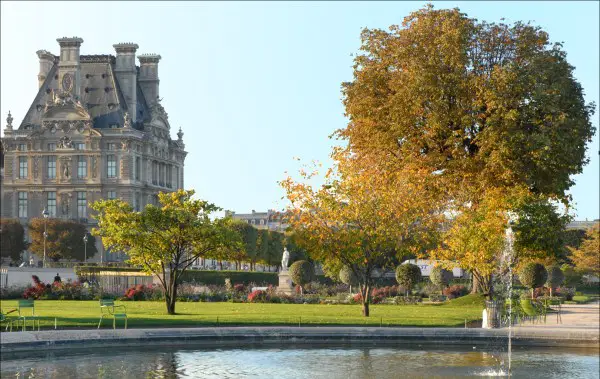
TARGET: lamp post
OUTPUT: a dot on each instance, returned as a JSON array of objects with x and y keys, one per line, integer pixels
[
  {"x": 45, "y": 214},
  {"x": 85, "y": 241}
]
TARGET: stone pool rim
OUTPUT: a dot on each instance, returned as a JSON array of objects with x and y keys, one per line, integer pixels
[{"x": 227, "y": 337}]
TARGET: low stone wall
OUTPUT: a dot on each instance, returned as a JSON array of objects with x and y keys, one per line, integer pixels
[
  {"x": 238, "y": 336},
  {"x": 21, "y": 276}
]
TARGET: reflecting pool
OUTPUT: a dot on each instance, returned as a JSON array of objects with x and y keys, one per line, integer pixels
[{"x": 300, "y": 362}]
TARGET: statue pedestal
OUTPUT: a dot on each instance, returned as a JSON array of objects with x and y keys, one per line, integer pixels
[{"x": 285, "y": 283}]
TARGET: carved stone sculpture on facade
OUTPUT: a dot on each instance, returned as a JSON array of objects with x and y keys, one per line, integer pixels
[
  {"x": 65, "y": 143},
  {"x": 9, "y": 121},
  {"x": 94, "y": 167},
  {"x": 126, "y": 121},
  {"x": 64, "y": 201},
  {"x": 36, "y": 166}
]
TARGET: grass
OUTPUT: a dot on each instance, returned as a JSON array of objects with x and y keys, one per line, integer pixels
[{"x": 86, "y": 314}]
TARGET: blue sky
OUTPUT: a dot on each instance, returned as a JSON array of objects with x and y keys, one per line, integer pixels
[{"x": 255, "y": 84}]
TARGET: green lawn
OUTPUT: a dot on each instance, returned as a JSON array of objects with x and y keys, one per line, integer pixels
[{"x": 85, "y": 314}]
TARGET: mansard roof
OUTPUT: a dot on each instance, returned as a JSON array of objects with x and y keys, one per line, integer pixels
[{"x": 101, "y": 94}]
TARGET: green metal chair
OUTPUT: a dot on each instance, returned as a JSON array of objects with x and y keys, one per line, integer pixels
[
  {"x": 517, "y": 312},
  {"x": 8, "y": 321},
  {"x": 530, "y": 311},
  {"x": 109, "y": 309},
  {"x": 23, "y": 305},
  {"x": 554, "y": 305}
]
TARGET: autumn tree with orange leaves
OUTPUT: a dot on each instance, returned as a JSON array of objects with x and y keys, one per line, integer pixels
[
  {"x": 491, "y": 111},
  {"x": 364, "y": 221}
]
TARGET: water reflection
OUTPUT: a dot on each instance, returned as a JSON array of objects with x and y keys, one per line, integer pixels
[{"x": 301, "y": 363}]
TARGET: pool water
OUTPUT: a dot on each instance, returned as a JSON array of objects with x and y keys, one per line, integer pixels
[{"x": 300, "y": 362}]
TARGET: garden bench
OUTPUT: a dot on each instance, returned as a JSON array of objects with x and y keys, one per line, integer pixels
[
  {"x": 109, "y": 309},
  {"x": 22, "y": 306}
]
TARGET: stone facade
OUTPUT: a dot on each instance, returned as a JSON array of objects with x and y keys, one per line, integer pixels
[
  {"x": 270, "y": 219},
  {"x": 95, "y": 130}
]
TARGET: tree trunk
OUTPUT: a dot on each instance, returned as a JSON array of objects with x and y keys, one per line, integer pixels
[
  {"x": 474, "y": 284},
  {"x": 171, "y": 299},
  {"x": 364, "y": 291},
  {"x": 365, "y": 309}
]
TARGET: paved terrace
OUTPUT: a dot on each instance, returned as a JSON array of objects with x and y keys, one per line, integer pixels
[{"x": 575, "y": 317}]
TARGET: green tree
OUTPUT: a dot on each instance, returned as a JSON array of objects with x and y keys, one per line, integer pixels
[
  {"x": 484, "y": 109},
  {"x": 347, "y": 276},
  {"x": 407, "y": 275},
  {"x": 302, "y": 273},
  {"x": 274, "y": 251},
  {"x": 12, "y": 239},
  {"x": 555, "y": 277},
  {"x": 440, "y": 276},
  {"x": 164, "y": 240},
  {"x": 262, "y": 246},
  {"x": 533, "y": 275},
  {"x": 248, "y": 236},
  {"x": 65, "y": 239},
  {"x": 540, "y": 230}
]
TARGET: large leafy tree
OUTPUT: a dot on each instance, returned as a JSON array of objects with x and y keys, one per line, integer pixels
[
  {"x": 361, "y": 220},
  {"x": 65, "y": 239},
  {"x": 486, "y": 105},
  {"x": 12, "y": 239},
  {"x": 164, "y": 240},
  {"x": 587, "y": 256},
  {"x": 486, "y": 109}
]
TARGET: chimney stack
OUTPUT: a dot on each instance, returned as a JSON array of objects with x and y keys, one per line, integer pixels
[
  {"x": 46, "y": 64},
  {"x": 68, "y": 65},
  {"x": 149, "y": 77},
  {"x": 127, "y": 75}
]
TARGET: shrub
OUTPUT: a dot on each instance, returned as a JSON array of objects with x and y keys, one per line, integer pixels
[
  {"x": 408, "y": 275},
  {"x": 301, "y": 272},
  {"x": 424, "y": 289},
  {"x": 437, "y": 298},
  {"x": 555, "y": 277},
  {"x": 258, "y": 296},
  {"x": 407, "y": 300},
  {"x": 455, "y": 291},
  {"x": 347, "y": 276},
  {"x": 533, "y": 275},
  {"x": 566, "y": 292},
  {"x": 440, "y": 276},
  {"x": 37, "y": 290},
  {"x": 139, "y": 292}
]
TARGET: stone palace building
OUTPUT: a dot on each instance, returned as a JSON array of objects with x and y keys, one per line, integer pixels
[{"x": 95, "y": 130}]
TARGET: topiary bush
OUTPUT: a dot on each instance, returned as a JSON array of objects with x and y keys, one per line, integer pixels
[
  {"x": 533, "y": 275},
  {"x": 348, "y": 277},
  {"x": 302, "y": 272},
  {"x": 408, "y": 275},
  {"x": 555, "y": 278},
  {"x": 440, "y": 276}
]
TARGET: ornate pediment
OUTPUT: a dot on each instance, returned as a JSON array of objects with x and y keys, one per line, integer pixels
[
  {"x": 63, "y": 106},
  {"x": 159, "y": 116}
]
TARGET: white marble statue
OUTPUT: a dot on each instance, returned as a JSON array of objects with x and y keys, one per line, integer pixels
[{"x": 285, "y": 260}]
